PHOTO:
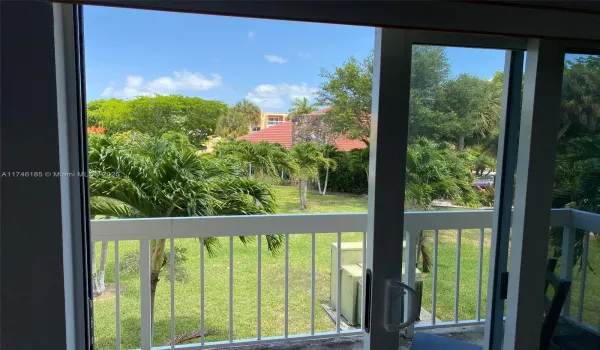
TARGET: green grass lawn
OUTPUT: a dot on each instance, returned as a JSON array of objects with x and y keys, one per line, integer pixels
[{"x": 187, "y": 293}]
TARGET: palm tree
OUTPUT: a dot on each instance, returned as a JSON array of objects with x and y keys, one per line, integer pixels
[
  {"x": 435, "y": 171},
  {"x": 250, "y": 110},
  {"x": 309, "y": 159},
  {"x": 233, "y": 124},
  {"x": 149, "y": 177},
  {"x": 328, "y": 151},
  {"x": 302, "y": 106},
  {"x": 263, "y": 157}
]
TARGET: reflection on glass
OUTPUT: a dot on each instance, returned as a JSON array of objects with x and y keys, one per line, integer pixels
[
  {"x": 453, "y": 128},
  {"x": 577, "y": 186}
]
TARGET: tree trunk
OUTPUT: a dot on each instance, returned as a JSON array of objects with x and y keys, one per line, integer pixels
[
  {"x": 319, "y": 184},
  {"x": 249, "y": 169},
  {"x": 424, "y": 253},
  {"x": 95, "y": 287},
  {"x": 153, "y": 282},
  {"x": 101, "y": 272},
  {"x": 302, "y": 189},
  {"x": 300, "y": 194},
  {"x": 461, "y": 143},
  {"x": 563, "y": 130},
  {"x": 326, "y": 180},
  {"x": 157, "y": 260},
  {"x": 305, "y": 194}
]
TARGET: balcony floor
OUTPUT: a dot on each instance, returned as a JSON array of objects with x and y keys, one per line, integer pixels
[
  {"x": 567, "y": 337},
  {"x": 468, "y": 334}
]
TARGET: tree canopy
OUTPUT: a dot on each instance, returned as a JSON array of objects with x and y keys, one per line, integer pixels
[
  {"x": 192, "y": 116},
  {"x": 238, "y": 121},
  {"x": 302, "y": 106},
  {"x": 347, "y": 89}
]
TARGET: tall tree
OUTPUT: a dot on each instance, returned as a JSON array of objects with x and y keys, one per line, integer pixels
[
  {"x": 234, "y": 124},
  {"x": 347, "y": 88},
  {"x": 250, "y": 110},
  {"x": 317, "y": 129},
  {"x": 430, "y": 68},
  {"x": 113, "y": 114},
  {"x": 156, "y": 115},
  {"x": 156, "y": 179},
  {"x": 302, "y": 106},
  {"x": 471, "y": 105},
  {"x": 309, "y": 159},
  {"x": 581, "y": 88}
]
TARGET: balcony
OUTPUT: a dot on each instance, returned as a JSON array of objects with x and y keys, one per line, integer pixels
[{"x": 283, "y": 297}]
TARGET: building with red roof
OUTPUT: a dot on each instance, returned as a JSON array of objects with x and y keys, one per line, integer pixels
[
  {"x": 283, "y": 134},
  {"x": 96, "y": 129},
  {"x": 280, "y": 133}
]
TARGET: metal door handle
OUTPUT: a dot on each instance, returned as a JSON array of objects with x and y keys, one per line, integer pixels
[{"x": 395, "y": 290}]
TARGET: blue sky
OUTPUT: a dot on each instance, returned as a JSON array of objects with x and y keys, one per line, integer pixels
[{"x": 136, "y": 52}]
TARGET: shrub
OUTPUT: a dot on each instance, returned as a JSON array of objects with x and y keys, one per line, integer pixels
[{"x": 351, "y": 174}]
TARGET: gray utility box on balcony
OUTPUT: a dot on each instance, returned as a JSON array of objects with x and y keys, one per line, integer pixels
[
  {"x": 351, "y": 281},
  {"x": 351, "y": 255}
]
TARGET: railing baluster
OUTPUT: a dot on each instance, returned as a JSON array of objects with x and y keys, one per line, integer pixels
[
  {"x": 259, "y": 288},
  {"x": 364, "y": 277},
  {"x": 231, "y": 289},
  {"x": 457, "y": 281},
  {"x": 410, "y": 267},
  {"x": 434, "y": 282},
  {"x": 172, "y": 277},
  {"x": 313, "y": 278},
  {"x": 480, "y": 274},
  {"x": 145, "y": 301},
  {"x": 286, "y": 267},
  {"x": 202, "y": 337},
  {"x": 117, "y": 296},
  {"x": 584, "y": 263},
  {"x": 338, "y": 305},
  {"x": 566, "y": 265}
]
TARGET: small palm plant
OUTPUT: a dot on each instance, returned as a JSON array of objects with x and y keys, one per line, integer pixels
[
  {"x": 309, "y": 159},
  {"x": 149, "y": 177},
  {"x": 265, "y": 158}
]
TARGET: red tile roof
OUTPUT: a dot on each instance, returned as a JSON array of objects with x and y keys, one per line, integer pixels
[
  {"x": 282, "y": 134},
  {"x": 321, "y": 111},
  {"x": 344, "y": 144},
  {"x": 96, "y": 129}
]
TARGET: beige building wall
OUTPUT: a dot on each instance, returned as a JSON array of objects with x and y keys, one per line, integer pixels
[{"x": 265, "y": 116}]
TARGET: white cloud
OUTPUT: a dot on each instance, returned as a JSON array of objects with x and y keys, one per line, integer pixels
[
  {"x": 251, "y": 34},
  {"x": 180, "y": 81},
  {"x": 275, "y": 59},
  {"x": 276, "y": 96},
  {"x": 305, "y": 54}
]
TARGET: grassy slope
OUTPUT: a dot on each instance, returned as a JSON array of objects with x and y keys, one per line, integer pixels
[{"x": 187, "y": 294}]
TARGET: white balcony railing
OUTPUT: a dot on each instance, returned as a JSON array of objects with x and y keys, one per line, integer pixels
[{"x": 144, "y": 230}]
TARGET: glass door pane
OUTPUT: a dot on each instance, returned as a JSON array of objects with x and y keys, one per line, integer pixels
[
  {"x": 454, "y": 127},
  {"x": 577, "y": 184}
]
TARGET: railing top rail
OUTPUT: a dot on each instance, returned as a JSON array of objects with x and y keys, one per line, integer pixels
[
  {"x": 224, "y": 226},
  {"x": 585, "y": 220},
  {"x": 247, "y": 225}
]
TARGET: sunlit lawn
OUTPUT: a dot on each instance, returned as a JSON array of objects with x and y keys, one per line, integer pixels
[{"x": 187, "y": 293}]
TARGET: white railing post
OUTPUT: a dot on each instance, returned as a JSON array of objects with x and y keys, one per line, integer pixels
[
  {"x": 410, "y": 273},
  {"x": 582, "y": 279},
  {"x": 145, "y": 298},
  {"x": 566, "y": 267}
]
